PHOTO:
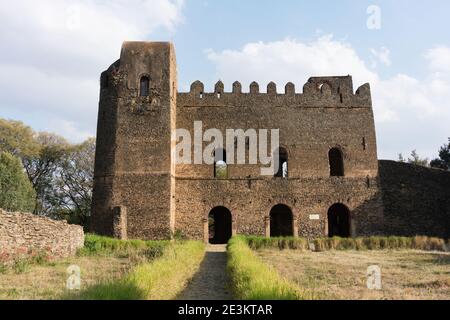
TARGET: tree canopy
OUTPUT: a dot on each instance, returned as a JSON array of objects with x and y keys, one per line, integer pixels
[
  {"x": 443, "y": 162},
  {"x": 16, "y": 191},
  {"x": 59, "y": 173}
]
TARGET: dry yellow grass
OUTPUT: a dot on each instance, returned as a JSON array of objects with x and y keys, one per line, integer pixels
[
  {"x": 406, "y": 275},
  {"x": 49, "y": 281}
]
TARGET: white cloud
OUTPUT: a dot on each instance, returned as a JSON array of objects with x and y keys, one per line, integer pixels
[
  {"x": 290, "y": 60},
  {"x": 410, "y": 113},
  {"x": 53, "y": 53},
  {"x": 439, "y": 59},
  {"x": 383, "y": 55}
]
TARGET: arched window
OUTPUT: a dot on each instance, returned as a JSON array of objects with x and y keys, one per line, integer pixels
[
  {"x": 282, "y": 170},
  {"x": 336, "y": 160},
  {"x": 144, "y": 89},
  {"x": 220, "y": 164}
]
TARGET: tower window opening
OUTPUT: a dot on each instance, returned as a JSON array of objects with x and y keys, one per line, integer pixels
[{"x": 144, "y": 90}]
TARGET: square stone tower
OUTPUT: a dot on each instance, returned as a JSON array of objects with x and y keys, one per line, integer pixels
[{"x": 134, "y": 180}]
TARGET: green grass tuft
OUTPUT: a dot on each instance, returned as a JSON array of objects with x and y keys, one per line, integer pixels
[
  {"x": 336, "y": 243},
  {"x": 105, "y": 246},
  {"x": 161, "y": 279},
  {"x": 251, "y": 278}
]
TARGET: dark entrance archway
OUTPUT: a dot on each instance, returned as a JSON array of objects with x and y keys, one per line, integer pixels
[
  {"x": 339, "y": 221},
  {"x": 281, "y": 221},
  {"x": 220, "y": 225}
]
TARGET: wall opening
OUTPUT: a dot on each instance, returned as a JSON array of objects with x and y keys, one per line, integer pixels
[
  {"x": 336, "y": 160},
  {"x": 144, "y": 89},
  {"x": 281, "y": 221},
  {"x": 339, "y": 221},
  {"x": 220, "y": 164},
  {"x": 219, "y": 225},
  {"x": 282, "y": 171}
]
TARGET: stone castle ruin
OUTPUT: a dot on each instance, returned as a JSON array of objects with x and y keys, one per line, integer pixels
[{"x": 330, "y": 182}]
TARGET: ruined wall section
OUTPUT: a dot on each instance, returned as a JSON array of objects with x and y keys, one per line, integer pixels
[
  {"x": 327, "y": 114},
  {"x": 102, "y": 216},
  {"x": 416, "y": 200},
  {"x": 250, "y": 202},
  {"x": 23, "y": 235}
]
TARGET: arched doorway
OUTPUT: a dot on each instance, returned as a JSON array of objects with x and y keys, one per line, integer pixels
[
  {"x": 339, "y": 221},
  {"x": 220, "y": 224},
  {"x": 281, "y": 221}
]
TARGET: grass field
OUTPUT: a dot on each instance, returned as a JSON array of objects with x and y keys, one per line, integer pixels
[
  {"x": 101, "y": 260},
  {"x": 406, "y": 274},
  {"x": 48, "y": 280}
]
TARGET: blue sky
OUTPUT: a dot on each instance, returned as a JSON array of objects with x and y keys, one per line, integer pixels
[{"x": 60, "y": 48}]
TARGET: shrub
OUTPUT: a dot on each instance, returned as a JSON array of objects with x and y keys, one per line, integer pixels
[
  {"x": 424, "y": 243},
  {"x": 21, "y": 265},
  {"x": 99, "y": 245},
  {"x": 16, "y": 190},
  {"x": 336, "y": 243},
  {"x": 256, "y": 243},
  {"x": 251, "y": 278},
  {"x": 3, "y": 267}
]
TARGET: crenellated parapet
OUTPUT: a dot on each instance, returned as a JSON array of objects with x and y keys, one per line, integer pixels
[{"x": 334, "y": 92}]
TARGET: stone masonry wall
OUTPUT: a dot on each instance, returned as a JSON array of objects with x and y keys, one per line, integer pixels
[
  {"x": 24, "y": 234},
  {"x": 326, "y": 114},
  {"x": 416, "y": 200},
  {"x": 135, "y": 169}
]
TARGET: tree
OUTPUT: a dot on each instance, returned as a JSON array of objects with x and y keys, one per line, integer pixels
[
  {"x": 415, "y": 159},
  {"x": 60, "y": 173},
  {"x": 41, "y": 168},
  {"x": 16, "y": 191},
  {"x": 17, "y": 139},
  {"x": 443, "y": 162},
  {"x": 74, "y": 182}
]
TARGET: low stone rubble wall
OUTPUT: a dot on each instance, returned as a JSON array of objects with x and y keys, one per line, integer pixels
[{"x": 24, "y": 234}]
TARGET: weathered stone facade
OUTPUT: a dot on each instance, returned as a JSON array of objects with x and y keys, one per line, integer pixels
[
  {"x": 416, "y": 200},
  {"x": 22, "y": 234},
  {"x": 139, "y": 191}
]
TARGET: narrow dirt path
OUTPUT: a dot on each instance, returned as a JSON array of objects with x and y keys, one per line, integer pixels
[{"x": 211, "y": 282}]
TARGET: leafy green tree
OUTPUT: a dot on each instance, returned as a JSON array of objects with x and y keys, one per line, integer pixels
[
  {"x": 17, "y": 139},
  {"x": 42, "y": 166},
  {"x": 443, "y": 162},
  {"x": 16, "y": 191},
  {"x": 74, "y": 182},
  {"x": 60, "y": 173}
]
